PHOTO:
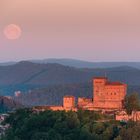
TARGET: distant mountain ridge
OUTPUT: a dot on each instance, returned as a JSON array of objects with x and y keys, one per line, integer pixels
[
  {"x": 80, "y": 63},
  {"x": 87, "y": 64},
  {"x": 26, "y": 72},
  {"x": 26, "y": 76}
]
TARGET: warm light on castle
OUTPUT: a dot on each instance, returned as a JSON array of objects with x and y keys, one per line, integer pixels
[{"x": 106, "y": 96}]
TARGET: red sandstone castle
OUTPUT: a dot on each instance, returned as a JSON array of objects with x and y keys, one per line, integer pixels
[
  {"x": 109, "y": 95},
  {"x": 106, "y": 96}
]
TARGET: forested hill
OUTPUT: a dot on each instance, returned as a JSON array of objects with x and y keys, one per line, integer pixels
[
  {"x": 53, "y": 74},
  {"x": 28, "y": 75},
  {"x": 79, "y": 63}
]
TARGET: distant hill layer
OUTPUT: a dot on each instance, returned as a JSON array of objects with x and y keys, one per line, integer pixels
[
  {"x": 86, "y": 64},
  {"x": 27, "y": 75},
  {"x": 54, "y": 74},
  {"x": 80, "y": 63}
]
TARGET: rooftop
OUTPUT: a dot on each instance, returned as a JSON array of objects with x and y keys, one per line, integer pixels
[{"x": 114, "y": 83}]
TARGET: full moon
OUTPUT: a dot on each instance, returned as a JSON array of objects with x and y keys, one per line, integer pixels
[{"x": 12, "y": 31}]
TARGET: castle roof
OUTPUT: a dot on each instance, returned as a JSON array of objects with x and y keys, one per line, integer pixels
[{"x": 114, "y": 83}]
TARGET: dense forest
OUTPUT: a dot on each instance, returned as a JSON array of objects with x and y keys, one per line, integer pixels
[
  {"x": 61, "y": 125},
  {"x": 26, "y": 124}
]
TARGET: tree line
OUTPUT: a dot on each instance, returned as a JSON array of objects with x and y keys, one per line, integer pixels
[{"x": 80, "y": 125}]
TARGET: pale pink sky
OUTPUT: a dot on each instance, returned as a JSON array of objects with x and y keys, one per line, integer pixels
[{"x": 94, "y": 30}]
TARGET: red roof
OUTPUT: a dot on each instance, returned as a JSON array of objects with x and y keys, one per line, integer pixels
[{"x": 114, "y": 83}]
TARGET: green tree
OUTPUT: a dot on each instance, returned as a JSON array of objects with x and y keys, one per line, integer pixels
[
  {"x": 130, "y": 133},
  {"x": 72, "y": 120},
  {"x": 61, "y": 125},
  {"x": 132, "y": 103}
]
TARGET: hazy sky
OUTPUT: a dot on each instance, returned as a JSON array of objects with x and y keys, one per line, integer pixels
[{"x": 94, "y": 30}]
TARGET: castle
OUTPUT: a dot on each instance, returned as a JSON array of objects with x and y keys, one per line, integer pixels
[{"x": 106, "y": 96}]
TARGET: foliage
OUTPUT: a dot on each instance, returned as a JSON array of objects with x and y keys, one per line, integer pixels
[
  {"x": 58, "y": 125},
  {"x": 132, "y": 103},
  {"x": 61, "y": 125}
]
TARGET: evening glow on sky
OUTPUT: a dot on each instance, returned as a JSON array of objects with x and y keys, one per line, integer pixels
[{"x": 93, "y": 30}]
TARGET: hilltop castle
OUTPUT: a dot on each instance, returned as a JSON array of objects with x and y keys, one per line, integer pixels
[{"x": 106, "y": 96}]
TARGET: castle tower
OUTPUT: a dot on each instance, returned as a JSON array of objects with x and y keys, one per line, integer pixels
[
  {"x": 108, "y": 95},
  {"x": 99, "y": 87},
  {"x": 68, "y": 102}
]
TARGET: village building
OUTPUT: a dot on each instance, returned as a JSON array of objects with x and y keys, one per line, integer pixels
[
  {"x": 123, "y": 116},
  {"x": 17, "y": 93}
]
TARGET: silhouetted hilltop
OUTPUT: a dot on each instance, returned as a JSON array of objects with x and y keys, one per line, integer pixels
[
  {"x": 87, "y": 64},
  {"x": 80, "y": 63},
  {"x": 51, "y": 74}
]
